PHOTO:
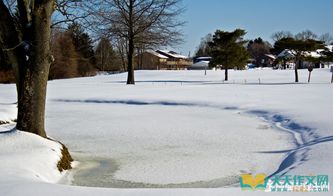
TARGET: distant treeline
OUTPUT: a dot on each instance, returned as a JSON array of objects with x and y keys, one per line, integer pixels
[{"x": 74, "y": 55}]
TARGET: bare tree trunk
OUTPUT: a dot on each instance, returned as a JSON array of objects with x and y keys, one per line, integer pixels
[
  {"x": 284, "y": 64},
  {"x": 296, "y": 74},
  {"x": 296, "y": 70},
  {"x": 226, "y": 74},
  {"x": 34, "y": 73},
  {"x": 130, "y": 67}
]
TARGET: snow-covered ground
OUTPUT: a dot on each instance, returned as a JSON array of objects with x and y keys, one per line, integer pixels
[{"x": 172, "y": 129}]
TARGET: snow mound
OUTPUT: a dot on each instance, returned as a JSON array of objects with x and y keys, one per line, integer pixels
[{"x": 28, "y": 156}]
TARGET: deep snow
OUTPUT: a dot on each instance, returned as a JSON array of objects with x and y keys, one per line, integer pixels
[{"x": 177, "y": 127}]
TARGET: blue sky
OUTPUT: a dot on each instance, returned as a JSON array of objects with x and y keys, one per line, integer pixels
[{"x": 260, "y": 18}]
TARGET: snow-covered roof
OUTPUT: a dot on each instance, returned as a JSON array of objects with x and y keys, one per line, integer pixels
[
  {"x": 286, "y": 54},
  {"x": 157, "y": 54},
  {"x": 316, "y": 54},
  {"x": 330, "y": 47},
  {"x": 172, "y": 54},
  {"x": 270, "y": 56},
  {"x": 204, "y": 57}
]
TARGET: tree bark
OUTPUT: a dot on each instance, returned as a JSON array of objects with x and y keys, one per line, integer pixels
[
  {"x": 284, "y": 64},
  {"x": 130, "y": 67},
  {"x": 226, "y": 74},
  {"x": 34, "y": 72},
  {"x": 296, "y": 70}
]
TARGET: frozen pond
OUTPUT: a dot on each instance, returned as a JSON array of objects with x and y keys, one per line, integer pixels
[{"x": 197, "y": 148}]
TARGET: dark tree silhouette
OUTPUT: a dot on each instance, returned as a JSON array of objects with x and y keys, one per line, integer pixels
[
  {"x": 227, "y": 50},
  {"x": 299, "y": 48}
]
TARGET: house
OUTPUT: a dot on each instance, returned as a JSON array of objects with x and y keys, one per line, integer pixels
[
  {"x": 151, "y": 60},
  {"x": 289, "y": 56},
  {"x": 160, "y": 59},
  {"x": 175, "y": 61},
  {"x": 268, "y": 60}
]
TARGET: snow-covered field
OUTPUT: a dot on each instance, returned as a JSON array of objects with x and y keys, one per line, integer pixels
[{"x": 173, "y": 129}]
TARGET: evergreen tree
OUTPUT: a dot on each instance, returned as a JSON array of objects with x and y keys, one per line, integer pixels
[
  {"x": 227, "y": 50},
  {"x": 84, "y": 47},
  {"x": 82, "y": 42},
  {"x": 327, "y": 56},
  {"x": 299, "y": 47}
]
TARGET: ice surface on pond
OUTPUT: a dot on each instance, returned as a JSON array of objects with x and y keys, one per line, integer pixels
[
  {"x": 195, "y": 145},
  {"x": 172, "y": 144}
]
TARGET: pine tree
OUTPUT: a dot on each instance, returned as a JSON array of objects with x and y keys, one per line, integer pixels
[
  {"x": 299, "y": 47},
  {"x": 84, "y": 47},
  {"x": 227, "y": 50}
]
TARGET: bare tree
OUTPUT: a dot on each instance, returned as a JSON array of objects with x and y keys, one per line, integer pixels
[
  {"x": 25, "y": 32},
  {"x": 306, "y": 35},
  {"x": 147, "y": 22},
  {"x": 107, "y": 59},
  {"x": 280, "y": 35},
  {"x": 203, "y": 48},
  {"x": 65, "y": 63},
  {"x": 327, "y": 38},
  {"x": 121, "y": 45},
  {"x": 72, "y": 11},
  {"x": 258, "y": 49},
  {"x": 25, "y": 38}
]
